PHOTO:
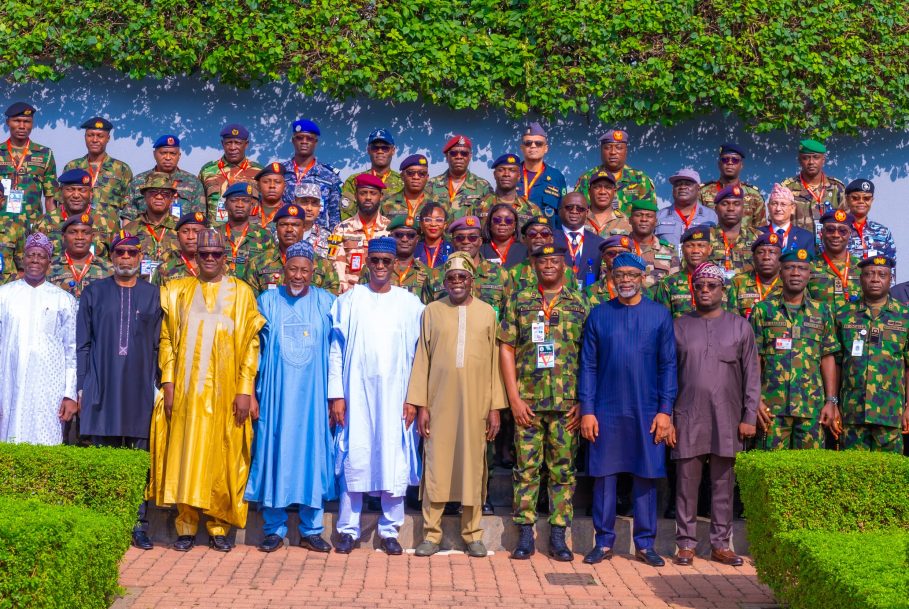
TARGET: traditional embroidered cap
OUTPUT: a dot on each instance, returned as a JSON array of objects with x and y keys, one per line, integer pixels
[
  {"x": 310, "y": 190},
  {"x": 733, "y": 191},
  {"x": 459, "y": 261},
  {"x": 837, "y": 216},
  {"x": 300, "y": 249},
  {"x": 812, "y": 147},
  {"x": 685, "y": 174},
  {"x": 696, "y": 233},
  {"x": 860, "y": 185},
  {"x": 380, "y": 135},
  {"x": 464, "y": 223},
  {"x": 192, "y": 218},
  {"x": 622, "y": 241},
  {"x": 75, "y": 176},
  {"x": 708, "y": 270},
  {"x": 367, "y": 180},
  {"x": 210, "y": 239},
  {"x": 628, "y": 259},
  {"x": 797, "y": 255},
  {"x": 240, "y": 189},
  {"x": 158, "y": 179},
  {"x": 382, "y": 245},
  {"x": 122, "y": 237},
  {"x": 403, "y": 221},
  {"x": 291, "y": 210},
  {"x": 20, "y": 109},
  {"x": 457, "y": 140},
  {"x": 97, "y": 122},
  {"x": 781, "y": 193},
  {"x": 601, "y": 175},
  {"x": 643, "y": 205},
  {"x": 539, "y": 220},
  {"x": 507, "y": 159},
  {"x": 883, "y": 261},
  {"x": 414, "y": 159},
  {"x": 167, "y": 141},
  {"x": 81, "y": 219},
  {"x": 39, "y": 241},
  {"x": 305, "y": 125},
  {"x": 731, "y": 148},
  {"x": 536, "y": 129},
  {"x": 614, "y": 136},
  {"x": 769, "y": 238},
  {"x": 549, "y": 250},
  {"x": 235, "y": 131},
  {"x": 272, "y": 169}
]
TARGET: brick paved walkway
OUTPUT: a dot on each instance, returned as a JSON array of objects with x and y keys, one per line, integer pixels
[{"x": 293, "y": 577}]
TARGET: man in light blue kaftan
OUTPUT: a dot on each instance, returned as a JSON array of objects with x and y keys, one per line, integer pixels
[{"x": 293, "y": 460}]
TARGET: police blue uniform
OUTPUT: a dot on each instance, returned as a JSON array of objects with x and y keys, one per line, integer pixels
[
  {"x": 327, "y": 177},
  {"x": 547, "y": 191}
]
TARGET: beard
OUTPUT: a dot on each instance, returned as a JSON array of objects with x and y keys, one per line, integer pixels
[
  {"x": 125, "y": 271},
  {"x": 294, "y": 292},
  {"x": 627, "y": 292}
]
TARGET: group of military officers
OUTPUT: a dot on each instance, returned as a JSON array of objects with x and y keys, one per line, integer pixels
[{"x": 810, "y": 271}]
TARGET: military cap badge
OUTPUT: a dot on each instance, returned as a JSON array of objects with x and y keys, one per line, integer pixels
[
  {"x": 248, "y": 189},
  {"x": 99, "y": 125},
  {"x": 199, "y": 216},
  {"x": 84, "y": 218},
  {"x": 170, "y": 141},
  {"x": 866, "y": 185},
  {"x": 292, "y": 210},
  {"x": 462, "y": 141},
  {"x": 408, "y": 221},
  {"x": 235, "y": 132},
  {"x": 773, "y": 238},
  {"x": 27, "y": 112},
  {"x": 548, "y": 249},
  {"x": 85, "y": 179},
  {"x": 698, "y": 235},
  {"x": 840, "y": 215},
  {"x": 276, "y": 167},
  {"x": 737, "y": 191},
  {"x": 543, "y": 221},
  {"x": 469, "y": 221},
  {"x": 617, "y": 135},
  {"x": 802, "y": 255},
  {"x": 422, "y": 161},
  {"x": 624, "y": 241},
  {"x": 511, "y": 159},
  {"x": 298, "y": 128},
  {"x": 880, "y": 261}
]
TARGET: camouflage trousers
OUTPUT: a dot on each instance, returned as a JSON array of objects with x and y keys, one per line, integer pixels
[
  {"x": 791, "y": 433},
  {"x": 546, "y": 440},
  {"x": 876, "y": 438}
]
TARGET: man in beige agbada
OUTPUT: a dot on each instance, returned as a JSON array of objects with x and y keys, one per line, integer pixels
[{"x": 457, "y": 387}]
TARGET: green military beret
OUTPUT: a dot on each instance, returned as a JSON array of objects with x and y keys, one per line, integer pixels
[
  {"x": 403, "y": 220},
  {"x": 812, "y": 147},
  {"x": 797, "y": 255},
  {"x": 643, "y": 204}
]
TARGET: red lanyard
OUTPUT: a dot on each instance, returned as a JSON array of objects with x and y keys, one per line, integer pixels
[
  {"x": 403, "y": 274},
  {"x": 547, "y": 310},
  {"x": 266, "y": 220},
  {"x": 235, "y": 247},
  {"x": 762, "y": 294},
  {"x": 302, "y": 174},
  {"x": 727, "y": 251},
  {"x": 690, "y": 219},
  {"x": 189, "y": 266},
  {"x": 528, "y": 187},
  {"x": 155, "y": 236},
  {"x": 690, "y": 288},
  {"x": 860, "y": 229},
  {"x": 819, "y": 198},
  {"x": 72, "y": 269},
  {"x": 25, "y": 151},
  {"x": 240, "y": 169},
  {"x": 503, "y": 255},
  {"x": 452, "y": 191},
  {"x": 95, "y": 175},
  {"x": 368, "y": 230},
  {"x": 843, "y": 276},
  {"x": 412, "y": 211},
  {"x": 383, "y": 176},
  {"x": 432, "y": 256},
  {"x": 574, "y": 251}
]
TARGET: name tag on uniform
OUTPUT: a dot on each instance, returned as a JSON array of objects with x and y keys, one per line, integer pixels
[
  {"x": 784, "y": 344},
  {"x": 662, "y": 256},
  {"x": 356, "y": 262},
  {"x": 837, "y": 286},
  {"x": 176, "y": 210},
  {"x": 148, "y": 267},
  {"x": 545, "y": 356},
  {"x": 14, "y": 200},
  {"x": 858, "y": 347},
  {"x": 537, "y": 332}
]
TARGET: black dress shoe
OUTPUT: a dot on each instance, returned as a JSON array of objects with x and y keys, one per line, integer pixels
[
  {"x": 558, "y": 549},
  {"x": 525, "y": 548},
  {"x": 219, "y": 543},
  {"x": 488, "y": 510},
  {"x": 141, "y": 540},
  {"x": 315, "y": 543},
  {"x": 271, "y": 543},
  {"x": 345, "y": 544},
  {"x": 650, "y": 557},
  {"x": 598, "y": 554},
  {"x": 392, "y": 547},
  {"x": 184, "y": 543},
  {"x": 452, "y": 508}
]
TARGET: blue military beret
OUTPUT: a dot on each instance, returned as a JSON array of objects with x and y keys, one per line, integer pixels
[
  {"x": 614, "y": 136},
  {"x": 304, "y": 125},
  {"x": 240, "y": 189},
  {"x": 696, "y": 233},
  {"x": 623, "y": 241},
  {"x": 730, "y": 148},
  {"x": 884, "y": 261},
  {"x": 414, "y": 159},
  {"x": 75, "y": 176},
  {"x": 380, "y": 135},
  {"x": 192, "y": 218},
  {"x": 839, "y": 216},
  {"x": 291, "y": 210},
  {"x": 628, "y": 259},
  {"x": 506, "y": 159},
  {"x": 860, "y": 185},
  {"x": 383, "y": 245},
  {"x": 536, "y": 129},
  {"x": 300, "y": 249},
  {"x": 235, "y": 131},
  {"x": 97, "y": 122},
  {"x": 768, "y": 238},
  {"x": 166, "y": 141},
  {"x": 797, "y": 255},
  {"x": 733, "y": 191},
  {"x": 20, "y": 109}
]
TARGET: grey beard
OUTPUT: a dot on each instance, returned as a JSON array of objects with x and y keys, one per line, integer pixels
[
  {"x": 122, "y": 271},
  {"x": 627, "y": 292},
  {"x": 294, "y": 292}
]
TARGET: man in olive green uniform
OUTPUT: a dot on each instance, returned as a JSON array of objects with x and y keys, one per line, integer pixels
[
  {"x": 77, "y": 266},
  {"x": 506, "y": 170},
  {"x": 190, "y": 194},
  {"x": 457, "y": 187},
  {"x": 265, "y": 271},
  {"x": 631, "y": 184},
  {"x": 731, "y": 238},
  {"x": 873, "y": 336},
  {"x": 835, "y": 277},
  {"x": 380, "y": 146},
  {"x": 539, "y": 353},
  {"x": 76, "y": 194},
  {"x": 27, "y": 169},
  {"x": 244, "y": 239},
  {"x": 408, "y": 273},
  {"x": 184, "y": 263},
  {"x": 233, "y": 167},
  {"x": 815, "y": 192},
  {"x": 12, "y": 243},
  {"x": 110, "y": 178},
  {"x": 675, "y": 291},
  {"x": 156, "y": 227},
  {"x": 730, "y": 164},
  {"x": 796, "y": 343},
  {"x": 410, "y": 198},
  {"x": 661, "y": 256},
  {"x": 763, "y": 281},
  {"x": 602, "y": 219}
]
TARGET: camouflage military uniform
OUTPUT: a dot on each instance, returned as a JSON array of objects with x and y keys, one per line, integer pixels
[
  {"x": 329, "y": 183},
  {"x": 175, "y": 268},
  {"x": 413, "y": 277},
  {"x": 395, "y": 204},
  {"x": 65, "y": 278},
  {"x": 392, "y": 181},
  {"x": 216, "y": 176},
  {"x": 522, "y": 275},
  {"x": 743, "y": 293},
  {"x": 12, "y": 245},
  {"x": 110, "y": 185},
  {"x": 661, "y": 257},
  {"x": 824, "y": 286},
  {"x": 737, "y": 258},
  {"x": 350, "y": 239},
  {"x": 808, "y": 210},
  {"x": 550, "y": 393},
  {"x": 266, "y": 272},
  {"x": 754, "y": 212},
  {"x": 52, "y": 222},
  {"x": 874, "y": 353},
  {"x": 36, "y": 176},
  {"x": 158, "y": 243},
  {"x": 617, "y": 225},
  {"x": 489, "y": 283},
  {"x": 190, "y": 195},
  {"x": 472, "y": 191},
  {"x": 631, "y": 185},
  {"x": 241, "y": 249},
  {"x": 791, "y": 384},
  {"x": 675, "y": 293}
]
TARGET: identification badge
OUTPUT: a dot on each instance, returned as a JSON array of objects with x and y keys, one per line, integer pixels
[
  {"x": 858, "y": 347},
  {"x": 239, "y": 260},
  {"x": 356, "y": 262},
  {"x": 545, "y": 356},
  {"x": 221, "y": 212},
  {"x": 729, "y": 274},
  {"x": 272, "y": 286},
  {"x": 148, "y": 267},
  {"x": 837, "y": 286},
  {"x": 784, "y": 344},
  {"x": 537, "y": 332},
  {"x": 176, "y": 210},
  {"x": 796, "y": 331},
  {"x": 14, "y": 201}
]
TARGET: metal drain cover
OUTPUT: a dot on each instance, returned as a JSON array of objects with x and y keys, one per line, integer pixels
[{"x": 571, "y": 579}]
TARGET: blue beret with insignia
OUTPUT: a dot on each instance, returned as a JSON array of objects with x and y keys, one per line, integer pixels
[
  {"x": 884, "y": 261},
  {"x": 838, "y": 216},
  {"x": 166, "y": 141},
  {"x": 234, "y": 131},
  {"x": 240, "y": 189},
  {"x": 291, "y": 210},
  {"x": 730, "y": 148},
  {"x": 75, "y": 176},
  {"x": 507, "y": 159},
  {"x": 696, "y": 233},
  {"x": 860, "y": 185},
  {"x": 304, "y": 125},
  {"x": 414, "y": 159}
]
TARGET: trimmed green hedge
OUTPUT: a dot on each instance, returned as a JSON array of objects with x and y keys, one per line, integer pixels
[
  {"x": 57, "y": 557},
  {"x": 823, "y": 520}
]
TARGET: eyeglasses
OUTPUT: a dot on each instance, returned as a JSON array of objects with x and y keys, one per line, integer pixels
[
  {"x": 163, "y": 193},
  {"x": 210, "y": 255},
  {"x": 416, "y": 173},
  {"x": 380, "y": 147},
  {"x": 706, "y": 285},
  {"x": 457, "y": 277},
  {"x": 431, "y": 220},
  {"x": 613, "y": 253},
  {"x": 837, "y": 230},
  {"x": 507, "y": 220},
  {"x": 575, "y": 207},
  {"x": 404, "y": 235},
  {"x": 124, "y": 252},
  {"x": 458, "y": 153},
  {"x": 533, "y": 143},
  {"x": 381, "y": 261},
  {"x": 730, "y": 160},
  {"x": 466, "y": 238},
  {"x": 533, "y": 234},
  {"x": 627, "y": 276}
]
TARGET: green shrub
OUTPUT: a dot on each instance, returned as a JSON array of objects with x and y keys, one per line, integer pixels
[{"x": 57, "y": 557}]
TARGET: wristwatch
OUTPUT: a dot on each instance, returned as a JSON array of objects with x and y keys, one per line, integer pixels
[{"x": 832, "y": 399}]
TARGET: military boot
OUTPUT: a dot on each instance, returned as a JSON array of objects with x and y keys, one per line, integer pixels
[
  {"x": 525, "y": 548},
  {"x": 558, "y": 549}
]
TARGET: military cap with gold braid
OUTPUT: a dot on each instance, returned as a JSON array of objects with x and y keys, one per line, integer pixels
[
  {"x": 882, "y": 261},
  {"x": 97, "y": 122},
  {"x": 549, "y": 250},
  {"x": 696, "y": 233},
  {"x": 540, "y": 220}
]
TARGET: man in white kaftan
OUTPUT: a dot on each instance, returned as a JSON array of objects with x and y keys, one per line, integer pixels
[
  {"x": 375, "y": 328},
  {"x": 37, "y": 352}
]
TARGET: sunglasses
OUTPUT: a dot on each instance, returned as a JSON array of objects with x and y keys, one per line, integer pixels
[
  {"x": 613, "y": 253},
  {"x": 730, "y": 160},
  {"x": 533, "y": 234},
  {"x": 416, "y": 173},
  {"x": 210, "y": 255},
  {"x": 126, "y": 252},
  {"x": 533, "y": 143},
  {"x": 457, "y": 277},
  {"x": 575, "y": 207},
  {"x": 507, "y": 220},
  {"x": 466, "y": 238},
  {"x": 837, "y": 230},
  {"x": 458, "y": 154},
  {"x": 160, "y": 192},
  {"x": 381, "y": 261},
  {"x": 404, "y": 234},
  {"x": 706, "y": 285},
  {"x": 380, "y": 147}
]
